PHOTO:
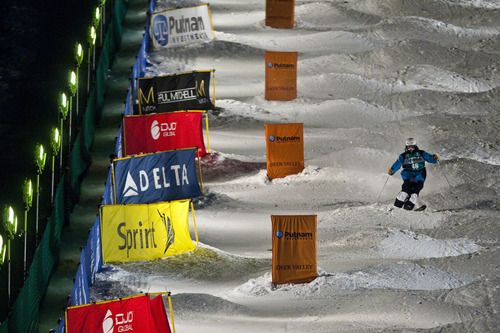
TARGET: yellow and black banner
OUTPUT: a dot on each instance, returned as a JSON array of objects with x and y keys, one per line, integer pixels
[
  {"x": 145, "y": 231},
  {"x": 284, "y": 149},
  {"x": 294, "y": 248},
  {"x": 280, "y": 13},
  {"x": 281, "y": 76}
]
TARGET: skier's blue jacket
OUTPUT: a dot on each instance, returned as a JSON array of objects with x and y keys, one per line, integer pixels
[{"x": 413, "y": 165}]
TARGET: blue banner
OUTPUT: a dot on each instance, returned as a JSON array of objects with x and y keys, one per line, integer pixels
[
  {"x": 93, "y": 253},
  {"x": 156, "y": 177},
  {"x": 80, "y": 293},
  {"x": 107, "y": 198}
]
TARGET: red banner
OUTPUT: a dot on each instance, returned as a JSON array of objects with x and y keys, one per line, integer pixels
[
  {"x": 165, "y": 131},
  {"x": 136, "y": 314}
]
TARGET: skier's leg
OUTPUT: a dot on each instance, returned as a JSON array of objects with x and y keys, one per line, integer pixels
[
  {"x": 400, "y": 199},
  {"x": 414, "y": 191}
]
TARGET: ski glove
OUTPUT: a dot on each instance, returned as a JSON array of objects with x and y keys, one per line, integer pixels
[
  {"x": 435, "y": 157},
  {"x": 390, "y": 172}
]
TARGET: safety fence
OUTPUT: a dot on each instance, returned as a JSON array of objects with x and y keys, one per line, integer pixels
[
  {"x": 23, "y": 316},
  {"x": 90, "y": 262}
]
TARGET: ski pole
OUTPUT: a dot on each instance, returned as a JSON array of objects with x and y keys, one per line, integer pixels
[{"x": 383, "y": 188}]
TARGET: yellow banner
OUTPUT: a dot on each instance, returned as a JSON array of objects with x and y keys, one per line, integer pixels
[{"x": 145, "y": 231}]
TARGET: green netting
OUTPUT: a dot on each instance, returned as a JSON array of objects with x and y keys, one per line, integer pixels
[{"x": 24, "y": 315}]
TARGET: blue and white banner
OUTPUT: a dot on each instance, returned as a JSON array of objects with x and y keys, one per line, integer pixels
[
  {"x": 80, "y": 293},
  {"x": 93, "y": 257},
  {"x": 182, "y": 26},
  {"x": 158, "y": 177}
]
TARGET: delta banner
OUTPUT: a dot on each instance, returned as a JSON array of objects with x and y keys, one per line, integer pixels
[
  {"x": 134, "y": 314},
  {"x": 175, "y": 92},
  {"x": 284, "y": 149},
  {"x": 145, "y": 232},
  {"x": 281, "y": 76},
  {"x": 280, "y": 13},
  {"x": 165, "y": 131},
  {"x": 180, "y": 27},
  {"x": 294, "y": 248},
  {"x": 158, "y": 177}
]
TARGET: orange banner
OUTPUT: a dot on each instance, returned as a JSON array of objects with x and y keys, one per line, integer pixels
[
  {"x": 280, "y": 13},
  {"x": 281, "y": 76},
  {"x": 284, "y": 149},
  {"x": 294, "y": 248}
]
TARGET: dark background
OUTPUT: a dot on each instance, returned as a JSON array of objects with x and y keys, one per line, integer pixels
[{"x": 36, "y": 54}]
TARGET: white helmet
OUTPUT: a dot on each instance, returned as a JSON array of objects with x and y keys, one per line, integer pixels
[{"x": 411, "y": 142}]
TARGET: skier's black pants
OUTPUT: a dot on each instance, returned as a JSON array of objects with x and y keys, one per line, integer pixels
[{"x": 410, "y": 188}]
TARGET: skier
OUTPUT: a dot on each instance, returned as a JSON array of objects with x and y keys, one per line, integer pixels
[{"x": 413, "y": 173}]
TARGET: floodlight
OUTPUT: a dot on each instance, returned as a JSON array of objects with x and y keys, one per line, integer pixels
[
  {"x": 78, "y": 54},
  {"x": 72, "y": 82},
  {"x": 40, "y": 158},
  {"x": 9, "y": 221},
  {"x": 63, "y": 105},
  {"x": 27, "y": 193},
  {"x": 97, "y": 16},
  {"x": 55, "y": 140},
  {"x": 3, "y": 250},
  {"x": 92, "y": 35}
]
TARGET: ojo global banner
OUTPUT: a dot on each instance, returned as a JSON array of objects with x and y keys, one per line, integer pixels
[
  {"x": 281, "y": 76},
  {"x": 284, "y": 149},
  {"x": 294, "y": 248},
  {"x": 175, "y": 92},
  {"x": 280, "y": 13},
  {"x": 145, "y": 231},
  {"x": 182, "y": 26},
  {"x": 164, "y": 131},
  {"x": 134, "y": 314},
  {"x": 158, "y": 177}
]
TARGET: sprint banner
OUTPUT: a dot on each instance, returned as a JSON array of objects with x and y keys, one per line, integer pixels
[
  {"x": 175, "y": 92},
  {"x": 158, "y": 177},
  {"x": 180, "y": 27},
  {"x": 294, "y": 248},
  {"x": 284, "y": 149},
  {"x": 145, "y": 232},
  {"x": 280, "y": 13},
  {"x": 133, "y": 314},
  {"x": 165, "y": 131},
  {"x": 281, "y": 76}
]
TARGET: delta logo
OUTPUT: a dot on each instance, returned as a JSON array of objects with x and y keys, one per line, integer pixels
[
  {"x": 160, "y": 29},
  {"x": 159, "y": 180},
  {"x": 122, "y": 322},
  {"x": 280, "y": 65},
  {"x": 284, "y": 139},
  {"x": 163, "y": 129}
]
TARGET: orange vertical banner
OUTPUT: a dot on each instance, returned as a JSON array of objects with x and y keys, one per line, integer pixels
[
  {"x": 281, "y": 76},
  {"x": 280, "y": 13},
  {"x": 294, "y": 248},
  {"x": 284, "y": 149}
]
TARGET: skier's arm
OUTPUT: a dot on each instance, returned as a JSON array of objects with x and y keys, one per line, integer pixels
[
  {"x": 399, "y": 162},
  {"x": 430, "y": 158}
]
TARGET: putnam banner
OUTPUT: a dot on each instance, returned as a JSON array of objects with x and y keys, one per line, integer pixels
[
  {"x": 294, "y": 248},
  {"x": 164, "y": 131},
  {"x": 165, "y": 176},
  {"x": 284, "y": 149},
  {"x": 179, "y": 27},
  {"x": 145, "y": 232},
  {"x": 176, "y": 92},
  {"x": 134, "y": 314},
  {"x": 281, "y": 76},
  {"x": 280, "y": 13}
]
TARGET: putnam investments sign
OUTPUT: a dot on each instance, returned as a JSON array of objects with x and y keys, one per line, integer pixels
[{"x": 179, "y": 27}]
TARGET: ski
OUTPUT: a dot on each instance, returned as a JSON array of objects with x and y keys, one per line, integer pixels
[{"x": 421, "y": 208}]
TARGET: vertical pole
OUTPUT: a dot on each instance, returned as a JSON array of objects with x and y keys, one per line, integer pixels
[
  {"x": 52, "y": 187},
  {"x": 8, "y": 260},
  {"x": 70, "y": 121},
  {"x": 61, "y": 149},
  {"x": 77, "y": 78},
  {"x": 37, "y": 203},
  {"x": 25, "y": 239}
]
